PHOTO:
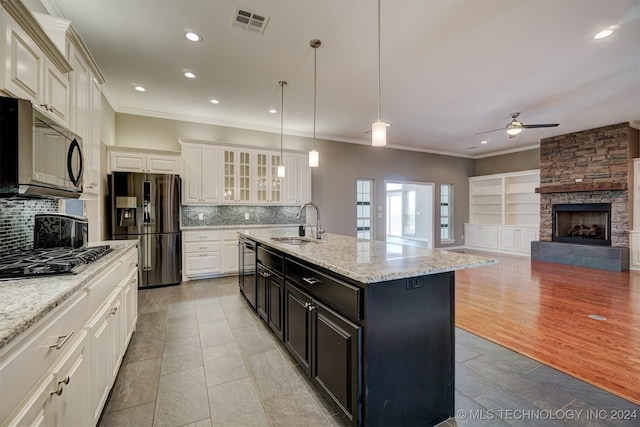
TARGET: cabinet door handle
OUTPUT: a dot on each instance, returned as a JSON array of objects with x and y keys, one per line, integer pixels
[
  {"x": 61, "y": 344},
  {"x": 265, "y": 274},
  {"x": 311, "y": 307},
  {"x": 65, "y": 380},
  {"x": 113, "y": 311},
  {"x": 58, "y": 391},
  {"x": 311, "y": 280}
]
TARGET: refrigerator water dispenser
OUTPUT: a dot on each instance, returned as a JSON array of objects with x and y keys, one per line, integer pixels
[{"x": 126, "y": 211}]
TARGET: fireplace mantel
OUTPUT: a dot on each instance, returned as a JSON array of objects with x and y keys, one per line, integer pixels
[{"x": 582, "y": 187}]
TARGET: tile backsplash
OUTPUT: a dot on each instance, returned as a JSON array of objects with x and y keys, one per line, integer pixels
[
  {"x": 236, "y": 215},
  {"x": 16, "y": 221}
]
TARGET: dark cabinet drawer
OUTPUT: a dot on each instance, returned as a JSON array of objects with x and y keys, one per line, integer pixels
[
  {"x": 270, "y": 259},
  {"x": 341, "y": 296}
]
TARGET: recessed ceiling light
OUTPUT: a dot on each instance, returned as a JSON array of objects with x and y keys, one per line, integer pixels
[
  {"x": 273, "y": 111},
  {"x": 605, "y": 33},
  {"x": 484, "y": 142},
  {"x": 190, "y": 75},
  {"x": 214, "y": 101},
  {"x": 139, "y": 88},
  {"x": 191, "y": 36}
]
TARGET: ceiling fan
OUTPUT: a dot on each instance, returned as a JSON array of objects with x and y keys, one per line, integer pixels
[{"x": 515, "y": 127}]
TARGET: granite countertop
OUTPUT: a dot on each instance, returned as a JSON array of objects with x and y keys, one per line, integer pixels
[
  {"x": 368, "y": 261},
  {"x": 234, "y": 227},
  {"x": 25, "y": 301}
]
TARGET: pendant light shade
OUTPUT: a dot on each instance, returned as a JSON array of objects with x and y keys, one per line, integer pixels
[
  {"x": 314, "y": 156},
  {"x": 379, "y": 127},
  {"x": 280, "y": 171},
  {"x": 379, "y": 133}
]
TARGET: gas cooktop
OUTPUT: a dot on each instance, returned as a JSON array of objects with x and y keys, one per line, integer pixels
[{"x": 46, "y": 261}]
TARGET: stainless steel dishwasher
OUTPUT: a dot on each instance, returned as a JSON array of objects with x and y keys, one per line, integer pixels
[{"x": 247, "y": 269}]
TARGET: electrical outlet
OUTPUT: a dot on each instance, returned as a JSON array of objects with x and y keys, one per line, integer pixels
[
  {"x": 201, "y": 217},
  {"x": 246, "y": 216}
]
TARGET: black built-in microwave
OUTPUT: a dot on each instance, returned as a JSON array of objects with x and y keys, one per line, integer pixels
[{"x": 38, "y": 156}]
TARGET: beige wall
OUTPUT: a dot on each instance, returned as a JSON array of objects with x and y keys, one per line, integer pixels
[
  {"x": 163, "y": 134},
  {"x": 512, "y": 162},
  {"x": 334, "y": 183}
]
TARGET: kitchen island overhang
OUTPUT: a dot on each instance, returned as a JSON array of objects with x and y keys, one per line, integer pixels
[{"x": 371, "y": 323}]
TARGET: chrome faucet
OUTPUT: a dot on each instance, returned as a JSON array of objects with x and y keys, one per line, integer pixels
[{"x": 319, "y": 232}]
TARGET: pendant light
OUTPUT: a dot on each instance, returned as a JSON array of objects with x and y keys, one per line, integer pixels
[
  {"x": 314, "y": 156},
  {"x": 281, "y": 172},
  {"x": 379, "y": 127}
]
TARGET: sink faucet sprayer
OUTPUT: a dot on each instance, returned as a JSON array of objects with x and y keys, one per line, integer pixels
[{"x": 319, "y": 232}]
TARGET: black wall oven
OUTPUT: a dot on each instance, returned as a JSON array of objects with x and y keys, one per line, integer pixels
[{"x": 247, "y": 267}]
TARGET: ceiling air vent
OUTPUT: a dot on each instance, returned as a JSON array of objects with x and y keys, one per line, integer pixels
[{"x": 250, "y": 21}]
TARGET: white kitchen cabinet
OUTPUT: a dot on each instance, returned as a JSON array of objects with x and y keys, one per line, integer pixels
[
  {"x": 200, "y": 183},
  {"x": 209, "y": 253},
  {"x": 506, "y": 239},
  {"x": 516, "y": 239},
  {"x": 268, "y": 186},
  {"x": 23, "y": 366},
  {"x": 71, "y": 378},
  {"x": 202, "y": 253},
  {"x": 229, "y": 251},
  {"x": 139, "y": 160},
  {"x": 85, "y": 115},
  {"x": 110, "y": 327},
  {"x": 298, "y": 179},
  {"x": 236, "y": 175},
  {"x": 481, "y": 236},
  {"x": 29, "y": 74},
  {"x": 61, "y": 398}
]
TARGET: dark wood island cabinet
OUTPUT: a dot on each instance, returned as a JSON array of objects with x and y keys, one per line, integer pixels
[{"x": 380, "y": 348}]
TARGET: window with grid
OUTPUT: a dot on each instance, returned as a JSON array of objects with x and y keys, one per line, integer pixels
[
  {"x": 364, "y": 211},
  {"x": 446, "y": 213}
]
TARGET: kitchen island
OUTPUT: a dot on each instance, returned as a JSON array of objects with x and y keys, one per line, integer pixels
[{"x": 370, "y": 323}]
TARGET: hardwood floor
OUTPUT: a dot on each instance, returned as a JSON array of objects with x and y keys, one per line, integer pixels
[{"x": 542, "y": 309}]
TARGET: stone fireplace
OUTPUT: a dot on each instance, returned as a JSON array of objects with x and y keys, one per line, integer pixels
[{"x": 592, "y": 167}]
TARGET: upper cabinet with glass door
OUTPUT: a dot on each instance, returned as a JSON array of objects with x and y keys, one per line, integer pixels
[
  {"x": 236, "y": 176},
  {"x": 268, "y": 186}
]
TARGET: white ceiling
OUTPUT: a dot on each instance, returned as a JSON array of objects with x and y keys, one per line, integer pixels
[{"x": 450, "y": 68}]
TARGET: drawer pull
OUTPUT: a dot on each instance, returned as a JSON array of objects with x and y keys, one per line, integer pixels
[
  {"x": 57, "y": 391},
  {"x": 202, "y": 247},
  {"x": 61, "y": 344},
  {"x": 311, "y": 280},
  {"x": 265, "y": 274}
]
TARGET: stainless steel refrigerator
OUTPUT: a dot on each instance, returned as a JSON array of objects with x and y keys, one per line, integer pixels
[{"x": 146, "y": 207}]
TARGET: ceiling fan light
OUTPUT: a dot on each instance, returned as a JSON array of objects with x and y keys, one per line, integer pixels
[
  {"x": 379, "y": 133},
  {"x": 314, "y": 158},
  {"x": 514, "y": 128}
]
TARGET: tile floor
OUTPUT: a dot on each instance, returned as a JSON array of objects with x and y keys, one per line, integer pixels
[{"x": 200, "y": 357}]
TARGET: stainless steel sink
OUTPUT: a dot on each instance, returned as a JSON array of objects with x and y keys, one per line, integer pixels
[{"x": 295, "y": 240}]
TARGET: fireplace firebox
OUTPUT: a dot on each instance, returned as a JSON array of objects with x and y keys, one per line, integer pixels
[{"x": 582, "y": 223}]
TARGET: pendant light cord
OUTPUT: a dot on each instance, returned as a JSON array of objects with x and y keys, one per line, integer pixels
[
  {"x": 379, "y": 61},
  {"x": 315, "y": 69},
  {"x": 282, "y": 83}
]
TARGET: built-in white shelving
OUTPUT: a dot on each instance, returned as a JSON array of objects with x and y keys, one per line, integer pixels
[{"x": 504, "y": 211}]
